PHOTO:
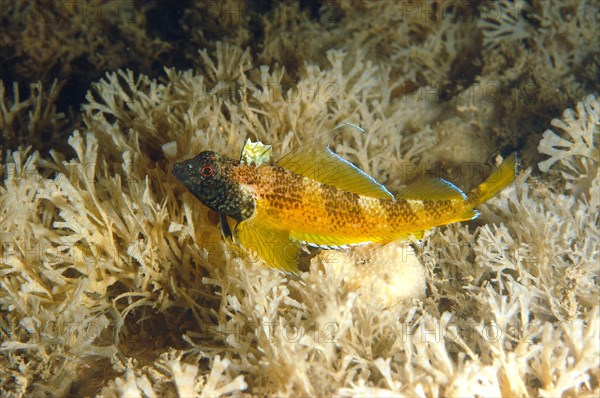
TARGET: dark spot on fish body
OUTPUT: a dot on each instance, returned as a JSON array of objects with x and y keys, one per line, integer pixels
[
  {"x": 295, "y": 188},
  {"x": 436, "y": 209},
  {"x": 445, "y": 207},
  {"x": 245, "y": 174},
  {"x": 342, "y": 207},
  {"x": 280, "y": 182},
  {"x": 399, "y": 211},
  {"x": 431, "y": 209},
  {"x": 279, "y": 190},
  {"x": 327, "y": 192},
  {"x": 311, "y": 218}
]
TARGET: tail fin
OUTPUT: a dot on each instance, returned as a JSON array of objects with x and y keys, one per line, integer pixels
[{"x": 503, "y": 176}]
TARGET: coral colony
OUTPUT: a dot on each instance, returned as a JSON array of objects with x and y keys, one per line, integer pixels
[{"x": 115, "y": 280}]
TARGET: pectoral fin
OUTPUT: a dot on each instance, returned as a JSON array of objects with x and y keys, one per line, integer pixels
[
  {"x": 273, "y": 246},
  {"x": 225, "y": 228}
]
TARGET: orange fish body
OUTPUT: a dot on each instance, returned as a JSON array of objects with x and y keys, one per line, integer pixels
[{"x": 312, "y": 196}]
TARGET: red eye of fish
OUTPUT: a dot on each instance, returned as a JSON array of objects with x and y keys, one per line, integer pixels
[{"x": 207, "y": 171}]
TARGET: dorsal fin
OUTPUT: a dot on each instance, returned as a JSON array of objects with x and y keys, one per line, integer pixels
[
  {"x": 316, "y": 161},
  {"x": 432, "y": 189},
  {"x": 256, "y": 153}
]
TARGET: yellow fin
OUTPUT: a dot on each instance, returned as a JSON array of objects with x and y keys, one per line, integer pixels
[
  {"x": 432, "y": 189},
  {"x": 271, "y": 245},
  {"x": 417, "y": 234},
  {"x": 330, "y": 242},
  {"x": 316, "y": 161},
  {"x": 466, "y": 216},
  {"x": 342, "y": 242},
  {"x": 256, "y": 153},
  {"x": 503, "y": 176}
]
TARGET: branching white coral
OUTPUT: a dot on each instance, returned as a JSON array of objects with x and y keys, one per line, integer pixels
[
  {"x": 230, "y": 63},
  {"x": 576, "y": 148},
  {"x": 32, "y": 120},
  {"x": 503, "y": 21},
  {"x": 567, "y": 356}
]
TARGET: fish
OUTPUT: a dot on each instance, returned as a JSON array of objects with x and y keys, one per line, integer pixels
[{"x": 312, "y": 196}]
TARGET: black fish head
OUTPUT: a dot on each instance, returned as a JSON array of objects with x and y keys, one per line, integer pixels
[{"x": 210, "y": 178}]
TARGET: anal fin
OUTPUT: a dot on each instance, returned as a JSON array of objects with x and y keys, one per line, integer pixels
[
  {"x": 329, "y": 241},
  {"x": 340, "y": 242},
  {"x": 418, "y": 235}
]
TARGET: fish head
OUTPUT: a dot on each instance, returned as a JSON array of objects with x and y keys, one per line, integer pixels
[{"x": 210, "y": 177}]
